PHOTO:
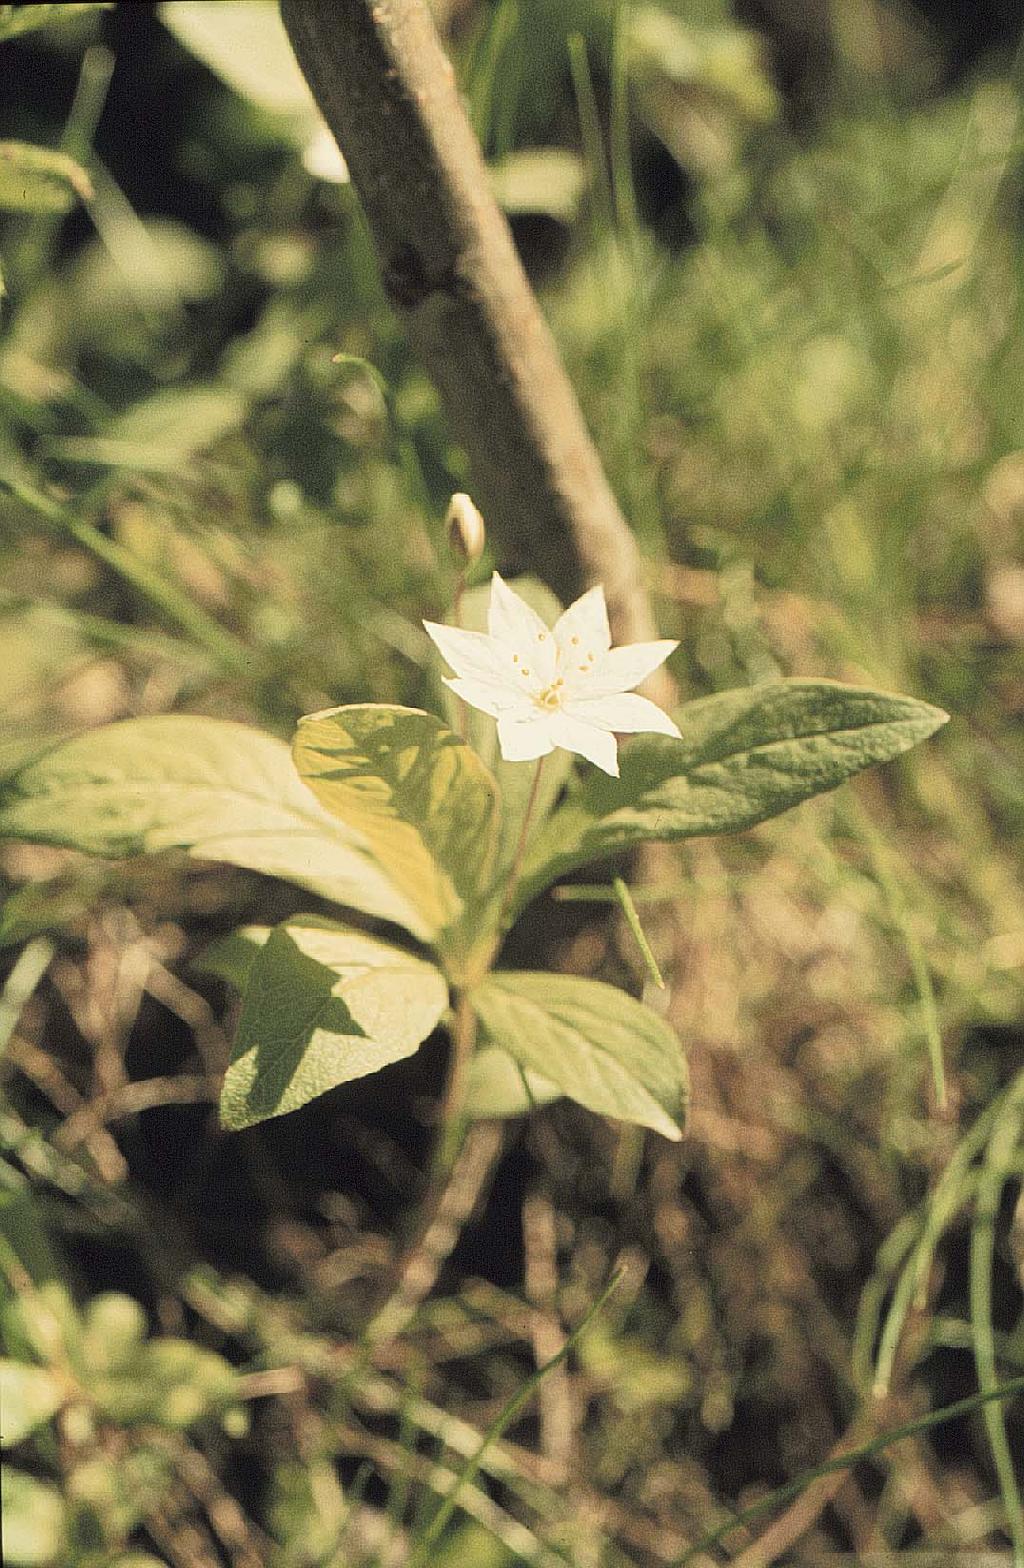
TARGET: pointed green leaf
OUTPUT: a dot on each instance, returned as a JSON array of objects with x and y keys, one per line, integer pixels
[
  {"x": 416, "y": 793},
  {"x": 324, "y": 1005},
  {"x": 220, "y": 790},
  {"x": 744, "y": 756},
  {"x": 514, "y": 779},
  {"x": 28, "y": 1397},
  {"x": 598, "y": 1045},
  {"x": 498, "y": 1086}
]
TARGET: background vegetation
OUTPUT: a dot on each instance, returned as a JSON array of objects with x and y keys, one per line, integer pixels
[{"x": 781, "y": 251}]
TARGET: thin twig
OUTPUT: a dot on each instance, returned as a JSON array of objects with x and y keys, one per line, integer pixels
[
  {"x": 445, "y": 1211},
  {"x": 451, "y": 271}
]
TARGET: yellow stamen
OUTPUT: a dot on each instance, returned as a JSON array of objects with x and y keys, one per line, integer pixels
[{"x": 550, "y": 697}]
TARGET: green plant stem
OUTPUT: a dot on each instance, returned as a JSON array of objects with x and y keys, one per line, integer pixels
[
  {"x": 452, "y": 1117},
  {"x": 517, "y": 859},
  {"x": 460, "y": 589}
]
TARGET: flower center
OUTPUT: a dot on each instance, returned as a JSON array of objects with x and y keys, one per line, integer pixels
[{"x": 551, "y": 697}]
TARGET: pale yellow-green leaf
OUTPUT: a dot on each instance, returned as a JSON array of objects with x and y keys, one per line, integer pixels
[
  {"x": 324, "y": 1005},
  {"x": 113, "y": 1328},
  {"x": 549, "y": 180},
  {"x": 245, "y": 43},
  {"x": 498, "y": 1086},
  {"x": 414, "y": 792},
  {"x": 231, "y": 957},
  {"x": 18, "y": 19},
  {"x": 220, "y": 790},
  {"x": 598, "y": 1045},
  {"x": 34, "y": 1522},
  {"x": 28, "y": 1397}
]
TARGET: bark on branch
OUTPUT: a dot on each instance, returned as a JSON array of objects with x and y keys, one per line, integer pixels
[{"x": 387, "y": 91}]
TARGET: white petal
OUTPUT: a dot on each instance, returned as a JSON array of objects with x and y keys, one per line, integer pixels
[
  {"x": 624, "y": 712},
  {"x": 521, "y": 740},
  {"x": 491, "y": 698},
  {"x": 473, "y": 655},
  {"x": 598, "y": 746},
  {"x": 512, "y": 623},
  {"x": 582, "y": 629},
  {"x": 623, "y": 668}
]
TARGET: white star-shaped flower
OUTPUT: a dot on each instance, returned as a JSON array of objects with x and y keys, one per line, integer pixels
[{"x": 562, "y": 686}]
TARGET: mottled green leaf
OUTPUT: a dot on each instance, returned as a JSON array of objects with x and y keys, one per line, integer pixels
[
  {"x": 744, "y": 756},
  {"x": 414, "y": 792},
  {"x": 598, "y": 1045},
  {"x": 324, "y": 1005},
  {"x": 220, "y": 790}
]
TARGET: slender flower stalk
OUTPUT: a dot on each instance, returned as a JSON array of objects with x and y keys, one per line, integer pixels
[
  {"x": 521, "y": 843},
  {"x": 463, "y": 1039},
  {"x": 466, "y": 540}
]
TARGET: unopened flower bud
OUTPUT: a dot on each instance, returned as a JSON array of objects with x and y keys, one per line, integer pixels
[{"x": 466, "y": 533}]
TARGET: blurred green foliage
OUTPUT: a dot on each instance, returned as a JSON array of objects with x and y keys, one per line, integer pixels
[{"x": 793, "y": 318}]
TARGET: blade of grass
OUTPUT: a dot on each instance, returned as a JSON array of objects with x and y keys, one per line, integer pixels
[
  {"x": 633, "y": 921},
  {"x": 891, "y": 1254},
  {"x": 951, "y": 1191},
  {"x": 231, "y": 654},
  {"x": 485, "y": 73},
  {"x": 604, "y": 893},
  {"x": 876, "y": 1445},
  {"x": 421, "y": 1551},
  {"x": 996, "y": 1167},
  {"x": 623, "y": 189},
  {"x": 889, "y": 882},
  {"x": 29, "y": 968},
  {"x": 590, "y": 134}
]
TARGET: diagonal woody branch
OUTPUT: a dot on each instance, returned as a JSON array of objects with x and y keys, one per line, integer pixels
[{"x": 387, "y": 91}]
